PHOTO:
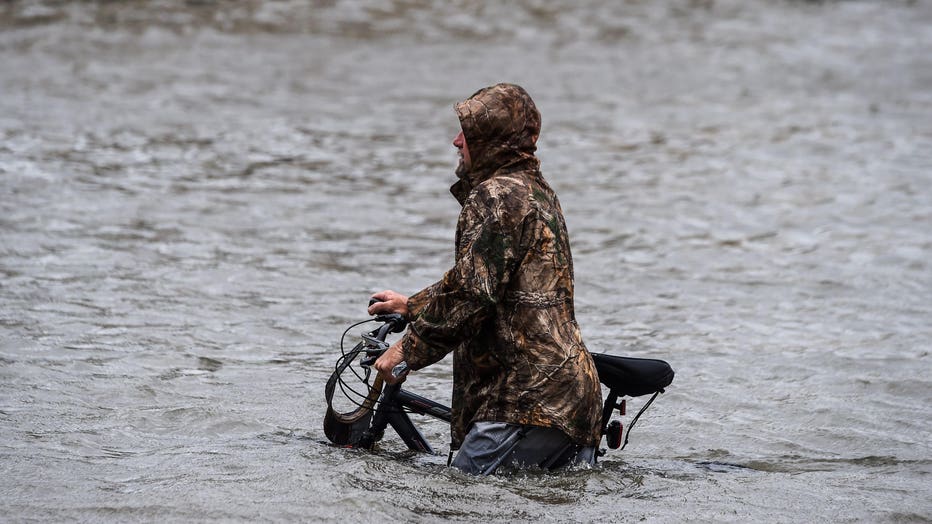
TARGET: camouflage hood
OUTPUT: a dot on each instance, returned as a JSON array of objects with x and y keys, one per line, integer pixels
[{"x": 501, "y": 125}]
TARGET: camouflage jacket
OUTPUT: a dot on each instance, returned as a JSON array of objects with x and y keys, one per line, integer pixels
[{"x": 505, "y": 309}]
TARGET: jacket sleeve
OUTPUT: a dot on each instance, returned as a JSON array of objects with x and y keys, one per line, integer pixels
[
  {"x": 446, "y": 314},
  {"x": 417, "y": 301}
]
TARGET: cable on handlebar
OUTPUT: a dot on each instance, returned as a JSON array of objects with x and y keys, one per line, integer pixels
[
  {"x": 391, "y": 324},
  {"x": 349, "y": 392}
]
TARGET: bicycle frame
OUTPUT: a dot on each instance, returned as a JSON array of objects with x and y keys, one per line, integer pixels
[
  {"x": 364, "y": 427},
  {"x": 392, "y": 411}
]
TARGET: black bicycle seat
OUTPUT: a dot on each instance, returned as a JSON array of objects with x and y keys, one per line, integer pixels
[{"x": 632, "y": 376}]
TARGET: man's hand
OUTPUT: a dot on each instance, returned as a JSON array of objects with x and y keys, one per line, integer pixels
[
  {"x": 389, "y": 301},
  {"x": 391, "y": 358}
]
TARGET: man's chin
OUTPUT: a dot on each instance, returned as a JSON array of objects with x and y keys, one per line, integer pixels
[{"x": 461, "y": 170}]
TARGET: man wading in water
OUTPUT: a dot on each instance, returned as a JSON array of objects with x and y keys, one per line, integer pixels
[{"x": 525, "y": 389}]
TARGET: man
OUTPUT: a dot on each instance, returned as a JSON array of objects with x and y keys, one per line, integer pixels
[{"x": 525, "y": 389}]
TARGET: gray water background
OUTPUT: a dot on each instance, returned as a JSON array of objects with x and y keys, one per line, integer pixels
[{"x": 197, "y": 198}]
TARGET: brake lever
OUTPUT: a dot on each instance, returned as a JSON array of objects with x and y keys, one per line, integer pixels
[{"x": 380, "y": 345}]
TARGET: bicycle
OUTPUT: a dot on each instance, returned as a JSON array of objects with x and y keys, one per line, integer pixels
[{"x": 364, "y": 427}]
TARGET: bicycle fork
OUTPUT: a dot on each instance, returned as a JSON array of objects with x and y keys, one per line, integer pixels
[{"x": 391, "y": 412}]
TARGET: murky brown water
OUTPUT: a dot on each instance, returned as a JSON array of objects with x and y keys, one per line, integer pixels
[{"x": 196, "y": 199}]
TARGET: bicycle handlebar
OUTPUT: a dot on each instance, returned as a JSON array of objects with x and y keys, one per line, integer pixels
[
  {"x": 398, "y": 371},
  {"x": 391, "y": 323},
  {"x": 395, "y": 322}
]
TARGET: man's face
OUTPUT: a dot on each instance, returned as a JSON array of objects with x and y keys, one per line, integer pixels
[{"x": 465, "y": 162}]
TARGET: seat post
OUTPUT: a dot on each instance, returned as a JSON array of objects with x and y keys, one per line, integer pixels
[{"x": 607, "y": 408}]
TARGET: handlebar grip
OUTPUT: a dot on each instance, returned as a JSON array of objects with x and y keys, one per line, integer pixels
[
  {"x": 373, "y": 301},
  {"x": 397, "y": 321},
  {"x": 400, "y": 370}
]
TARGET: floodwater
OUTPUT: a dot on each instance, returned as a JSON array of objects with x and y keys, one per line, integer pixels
[{"x": 197, "y": 198}]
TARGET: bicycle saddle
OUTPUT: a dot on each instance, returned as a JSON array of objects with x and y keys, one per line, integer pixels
[{"x": 632, "y": 376}]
